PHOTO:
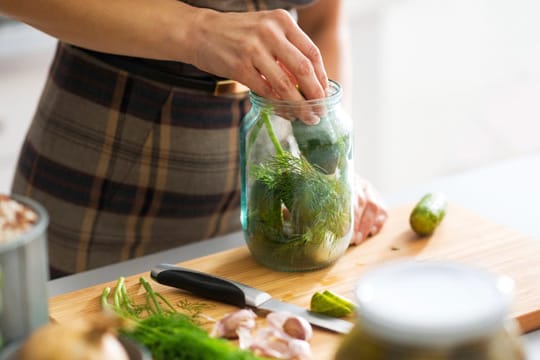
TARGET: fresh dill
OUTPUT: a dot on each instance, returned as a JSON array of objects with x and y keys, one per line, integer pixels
[
  {"x": 300, "y": 204},
  {"x": 169, "y": 334}
]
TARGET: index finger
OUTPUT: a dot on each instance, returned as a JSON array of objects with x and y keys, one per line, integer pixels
[{"x": 310, "y": 51}]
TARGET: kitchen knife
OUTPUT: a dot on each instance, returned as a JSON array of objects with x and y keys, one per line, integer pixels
[{"x": 235, "y": 293}]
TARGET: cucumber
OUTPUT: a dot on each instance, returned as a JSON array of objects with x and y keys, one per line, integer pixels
[
  {"x": 266, "y": 206},
  {"x": 318, "y": 143},
  {"x": 428, "y": 213}
]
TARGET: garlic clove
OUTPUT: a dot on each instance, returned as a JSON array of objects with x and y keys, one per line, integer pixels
[{"x": 298, "y": 328}]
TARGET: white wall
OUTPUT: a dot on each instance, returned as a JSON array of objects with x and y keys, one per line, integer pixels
[
  {"x": 25, "y": 55},
  {"x": 443, "y": 86},
  {"x": 438, "y": 87}
]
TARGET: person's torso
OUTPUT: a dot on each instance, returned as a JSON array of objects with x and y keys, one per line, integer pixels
[{"x": 247, "y": 5}]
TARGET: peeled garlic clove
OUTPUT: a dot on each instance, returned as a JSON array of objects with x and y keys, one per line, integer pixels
[{"x": 298, "y": 328}]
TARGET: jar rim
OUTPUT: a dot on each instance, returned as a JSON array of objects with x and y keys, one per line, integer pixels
[
  {"x": 432, "y": 303},
  {"x": 334, "y": 94},
  {"x": 36, "y": 230}
]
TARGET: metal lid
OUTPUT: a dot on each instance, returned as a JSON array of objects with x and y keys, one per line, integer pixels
[{"x": 432, "y": 303}]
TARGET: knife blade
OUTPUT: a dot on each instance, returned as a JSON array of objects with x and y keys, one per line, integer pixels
[{"x": 238, "y": 294}]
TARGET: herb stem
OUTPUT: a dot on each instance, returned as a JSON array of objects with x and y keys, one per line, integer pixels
[
  {"x": 151, "y": 293},
  {"x": 118, "y": 292},
  {"x": 104, "y": 295},
  {"x": 125, "y": 300},
  {"x": 266, "y": 118},
  {"x": 166, "y": 301}
]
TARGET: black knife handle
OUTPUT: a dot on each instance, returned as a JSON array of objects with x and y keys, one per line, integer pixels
[{"x": 200, "y": 284}]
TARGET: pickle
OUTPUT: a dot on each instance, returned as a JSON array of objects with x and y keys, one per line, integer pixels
[
  {"x": 340, "y": 299},
  {"x": 318, "y": 143},
  {"x": 266, "y": 206},
  {"x": 428, "y": 213},
  {"x": 331, "y": 304}
]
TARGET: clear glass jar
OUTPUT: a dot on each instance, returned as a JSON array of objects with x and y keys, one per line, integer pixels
[
  {"x": 414, "y": 310},
  {"x": 296, "y": 181}
]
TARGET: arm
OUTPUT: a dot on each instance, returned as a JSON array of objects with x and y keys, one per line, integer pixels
[
  {"x": 126, "y": 27},
  {"x": 253, "y": 48}
]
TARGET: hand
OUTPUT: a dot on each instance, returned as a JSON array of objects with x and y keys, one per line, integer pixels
[
  {"x": 369, "y": 212},
  {"x": 265, "y": 50}
]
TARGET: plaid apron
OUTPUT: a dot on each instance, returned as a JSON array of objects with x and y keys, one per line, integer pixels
[{"x": 127, "y": 164}]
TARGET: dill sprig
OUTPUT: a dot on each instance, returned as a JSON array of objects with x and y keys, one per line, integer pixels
[
  {"x": 193, "y": 309},
  {"x": 298, "y": 213},
  {"x": 165, "y": 331},
  {"x": 316, "y": 203}
]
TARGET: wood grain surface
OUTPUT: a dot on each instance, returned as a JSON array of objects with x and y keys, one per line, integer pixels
[{"x": 463, "y": 236}]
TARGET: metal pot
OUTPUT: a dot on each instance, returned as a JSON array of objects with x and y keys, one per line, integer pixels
[{"x": 24, "y": 271}]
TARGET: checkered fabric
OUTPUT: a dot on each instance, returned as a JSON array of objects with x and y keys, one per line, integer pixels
[{"x": 127, "y": 166}]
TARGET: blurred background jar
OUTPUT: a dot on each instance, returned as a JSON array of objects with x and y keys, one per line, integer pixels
[
  {"x": 433, "y": 311},
  {"x": 296, "y": 172},
  {"x": 24, "y": 268}
]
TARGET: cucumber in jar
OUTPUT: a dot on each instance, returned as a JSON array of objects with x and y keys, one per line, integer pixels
[{"x": 318, "y": 143}]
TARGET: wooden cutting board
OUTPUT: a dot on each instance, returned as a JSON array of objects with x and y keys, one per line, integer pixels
[{"x": 463, "y": 236}]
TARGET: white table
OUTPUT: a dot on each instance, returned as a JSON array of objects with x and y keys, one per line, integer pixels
[{"x": 506, "y": 193}]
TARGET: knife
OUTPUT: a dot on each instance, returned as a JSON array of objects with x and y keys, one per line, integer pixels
[{"x": 241, "y": 295}]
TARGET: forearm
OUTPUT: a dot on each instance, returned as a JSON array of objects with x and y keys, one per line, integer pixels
[
  {"x": 238, "y": 46},
  {"x": 154, "y": 29}
]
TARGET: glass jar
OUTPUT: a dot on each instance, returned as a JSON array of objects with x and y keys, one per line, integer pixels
[
  {"x": 24, "y": 270},
  {"x": 414, "y": 310},
  {"x": 296, "y": 181}
]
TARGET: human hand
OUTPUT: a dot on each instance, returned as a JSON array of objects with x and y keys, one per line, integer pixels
[
  {"x": 369, "y": 211},
  {"x": 264, "y": 50}
]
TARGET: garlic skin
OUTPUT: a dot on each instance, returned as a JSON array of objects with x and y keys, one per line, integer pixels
[
  {"x": 285, "y": 335},
  {"x": 230, "y": 325},
  {"x": 272, "y": 342},
  {"x": 112, "y": 348}
]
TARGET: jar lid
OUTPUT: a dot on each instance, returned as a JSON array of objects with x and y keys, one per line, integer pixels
[{"x": 432, "y": 303}]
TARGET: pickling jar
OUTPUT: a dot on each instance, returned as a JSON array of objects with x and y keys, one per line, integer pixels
[
  {"x": 296, "y": 181},
  {"x": 431, "y": 310}
]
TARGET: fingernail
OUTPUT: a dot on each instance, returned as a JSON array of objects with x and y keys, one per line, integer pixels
[{"x": 312, "y": 119}]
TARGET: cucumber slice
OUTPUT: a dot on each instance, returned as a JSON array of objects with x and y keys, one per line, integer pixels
[{"x": 331, "y": 304}]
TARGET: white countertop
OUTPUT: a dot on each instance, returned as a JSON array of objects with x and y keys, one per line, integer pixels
[{"x": 506, "y": 193}]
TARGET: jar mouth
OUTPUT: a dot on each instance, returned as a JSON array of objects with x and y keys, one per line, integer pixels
[
  {"x": 334, "y": 93},
  {"x": 35, "y": 231},
  {"x": 432, "y": 302}
]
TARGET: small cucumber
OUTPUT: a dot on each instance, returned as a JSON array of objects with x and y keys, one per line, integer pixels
[
  {"x": 428, "y": 213},
  {"x": 318, "y": 143},
  {"x": 265, "y": 206}
]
